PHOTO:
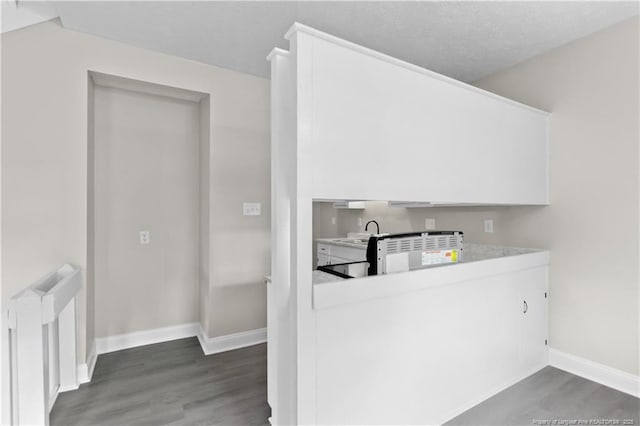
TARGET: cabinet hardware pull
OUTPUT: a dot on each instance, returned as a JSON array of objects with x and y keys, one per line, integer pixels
[{"x": 526, "y": 307}]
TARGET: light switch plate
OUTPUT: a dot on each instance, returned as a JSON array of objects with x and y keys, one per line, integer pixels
[
  {"x": 251, "y": 209},
  {"x": 429, "y": 223},
  {"x": 488, "y": 225}
]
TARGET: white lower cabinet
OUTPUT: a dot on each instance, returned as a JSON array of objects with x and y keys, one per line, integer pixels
[
  {"x": 424, "y": 356},
  {"x": 331, "y": 254},
  {"x": 533, "y": 325},
  {"x": 323, "y": 259}
]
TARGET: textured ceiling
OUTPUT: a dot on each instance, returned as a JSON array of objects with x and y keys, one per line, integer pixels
[{"x": 464, "y": 40}]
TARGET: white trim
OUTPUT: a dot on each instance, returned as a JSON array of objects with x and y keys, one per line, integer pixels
[
  {"x": 145, "y": 337},
  {"x": 83, "y": 376},
  {"x": 600, "y": 373},
  {"x": 209, "y": 345},
  {"x": 93, "y": 357},
  {"x": 53, "y": 397},
  {"x": 277, "y": 51},
  {"x": 85, "y": 371},
  {"x": 298, "y": 27},
  {"x": 214, "y": 345}
]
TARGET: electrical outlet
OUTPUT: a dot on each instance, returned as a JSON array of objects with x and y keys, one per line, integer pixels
[
  {"x": 429, "y": 223},
  {"x": 145, "y": 237},
  {"x": 333, "y": 220},
  {"x": 359, "y": 221},
  {"x": 488, "y": 225},
  {"x": 251, "y": 209}
]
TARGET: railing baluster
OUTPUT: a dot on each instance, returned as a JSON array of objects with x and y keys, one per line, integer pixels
[{"x": 31, "y": 313}]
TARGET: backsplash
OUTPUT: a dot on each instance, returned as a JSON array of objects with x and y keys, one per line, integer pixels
[
  {"x": 470, "y": 220},
  {"x": 507, "y": 222}
]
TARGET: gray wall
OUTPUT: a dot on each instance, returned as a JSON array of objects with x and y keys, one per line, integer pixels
[
  {"x": 591, "y": 87},
  {"x": 44, "y": 164},
  {"x": 146, "y": 178},
  {"x": 240, "y": 245},
  {"x": 591, "y": 227}
]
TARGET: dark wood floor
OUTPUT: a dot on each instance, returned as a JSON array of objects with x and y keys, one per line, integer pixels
[
  {"x": 171, "y": 383},
  {"x": 553, "y": 394}
]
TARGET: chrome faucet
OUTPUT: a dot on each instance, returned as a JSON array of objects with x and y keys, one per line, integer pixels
[{"x": 377, "y": 226}]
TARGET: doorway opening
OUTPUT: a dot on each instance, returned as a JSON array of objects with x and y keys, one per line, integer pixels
[{"x": 148, "y": 239}]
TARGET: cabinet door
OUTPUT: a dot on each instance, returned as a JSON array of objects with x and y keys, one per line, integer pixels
[
  {"x": 533, "y": 334},
  {"x": 421, "y": 113},
  {"x": 324, "y": 249},
  {"x": 348, "y": 254},
  {"x": 323, "y": 256},
  {"x": 323, "y": 259}
]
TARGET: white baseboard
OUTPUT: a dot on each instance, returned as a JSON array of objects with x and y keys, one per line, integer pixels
[
  {"x": 214, "y": 345},
  {"x": 600, "y": 373},
  {"x": 85, "y": 371},
  {"x": 52, "y": 398},
  {"x": 209, "y": 346},
  {"x": 83, "y": 377},
  {"x": 119, "y": 342}
]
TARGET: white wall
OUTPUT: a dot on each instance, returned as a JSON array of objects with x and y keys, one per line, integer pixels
[
  {"x": 591, "y": 227},
  {"x": 146, "y": 178},
  {"x": 44, "y": 162}
]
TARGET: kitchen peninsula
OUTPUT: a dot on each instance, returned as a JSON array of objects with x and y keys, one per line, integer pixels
[
  {"x": 414, "y": 347},
  {"x": 416, "y": 330}
]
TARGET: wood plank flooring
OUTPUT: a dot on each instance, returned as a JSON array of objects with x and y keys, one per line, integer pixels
[
  {"x": 171, "y": 383},
  {"x": 553, "y": 394}
]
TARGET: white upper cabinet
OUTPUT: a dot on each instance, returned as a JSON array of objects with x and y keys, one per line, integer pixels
[{"x": 376, "y": 128}]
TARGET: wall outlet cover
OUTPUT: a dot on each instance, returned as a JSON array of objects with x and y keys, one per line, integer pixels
[
  {"x": 145, "y": 237},
  {"x": 488, "y": 225},
  {"x": 429, "y": 223}
]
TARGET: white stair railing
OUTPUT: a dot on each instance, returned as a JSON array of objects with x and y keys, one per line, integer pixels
[{"x": 42, "y": 342}]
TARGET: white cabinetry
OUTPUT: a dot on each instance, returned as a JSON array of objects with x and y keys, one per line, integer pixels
[
  {"x": 446, "y": 346},
  {"x": 323, "y": 254},
  {"x": 349, "y": 205},
  {"x": 330, "y": 254},
  {"x": 533, "y": 325},
  {"x": 417, "y": 135}
]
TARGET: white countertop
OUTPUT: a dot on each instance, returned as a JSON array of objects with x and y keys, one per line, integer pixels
[
  {"x": 475, "y": 252},
  {"x": 321, "y": 277},
  {"x": 341, "y": 242},
  {"x": 480, "y": 261}
]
